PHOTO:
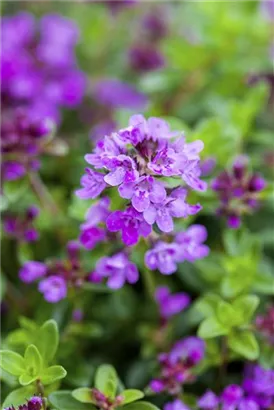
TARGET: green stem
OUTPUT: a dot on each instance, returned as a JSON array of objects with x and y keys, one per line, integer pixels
[{"x": 42, "y": 193}]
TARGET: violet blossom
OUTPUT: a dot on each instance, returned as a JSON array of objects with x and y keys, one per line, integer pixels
[
  {"x": 21, "y": 226},
  {"x": 117, "y": 269},
  {"x": 176, "y": 405},
  {"x": 131, "y": 223},
  {"x": 170, "y": 304},
  {"x": 176, "y": 366},
  {"x": 238, "y": 192}
]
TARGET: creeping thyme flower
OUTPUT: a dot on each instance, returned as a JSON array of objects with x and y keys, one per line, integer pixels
[
  {"x": 259, "y": 385},
  {"x": 176, "y": 405},
  {"x": 57, "y": 275},
  {"x": 117, "y": 269},
  {"x": 145, "y": 58},
  {"x": 21, "y": 226},
  {"x": 135, "y": 159},
  {"x": 238, "y": 192},
  {"x": 170, "y": 304},
  {"x": 131, "y": 223},
  {"x": 45, "y": 76},
  {"x": 265, "y": 324},
  {"x": 35, "y": 403},
  {"x": 187, "y": 245},
  {"x": 209, "y": 401},
  {"x": 176, "y": 366},
  {"x": 117, "y": 94},
  {"x": 91, "y": 233}
]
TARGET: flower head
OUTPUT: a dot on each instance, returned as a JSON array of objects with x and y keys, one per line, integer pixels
[
  {"x": 54, "y": 288},
  {"x": 170, "y": 304},
  {"x": 117, "y": 269}
]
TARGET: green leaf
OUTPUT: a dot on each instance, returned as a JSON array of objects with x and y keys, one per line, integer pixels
[
  {"x": 264, "y": 283},
  {"x": 53, "y": 373},
  {"x": 19, "y": 396},
  {"x": 33, "y": 360},
  {"x": 63, "y": 400},
  {"x": 12, "y": 362},
  {"x": 244, "y": 343},
  {"x": 211, "y": 327},
  {"x": 106, "y": 380},
  {"x": 48, "y": 340},
  {"x": 141, "y": 405},
  {"x": 27, "y": 324},
  {"x": 207, "y": 305},
  {"x": 26, "y": 379},
  {"x": 228, "y": 316},
  {"x": 83, "y": 394},
  {"x": 130, "y": 395},
  {"x": 246, "y": 305}
]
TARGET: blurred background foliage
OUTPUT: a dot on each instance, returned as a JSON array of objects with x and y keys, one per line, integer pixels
[{"x": 212, "y": 51}]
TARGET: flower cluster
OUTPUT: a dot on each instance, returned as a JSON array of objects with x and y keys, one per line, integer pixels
[
  {"x": 56, "y": 276},
  {"x": 145, "y": 55},
  {"x": 170, "y": 304},
  {"x": 104, "y": 402},
  {"x": 39, "y": 69},
  {"x": 137, "y": 160},
  {"x": 21, "y": 227},
  {"x": 35, "y": 403},
  {"x": 238, "y": 192},
  {"x": 265, "y": 324},
  {"x": 256, "y": 393},
  {"x": 176, "y": 366},
  {"x": 39, "y": 76},
  {"x": 187, "y": 246}
]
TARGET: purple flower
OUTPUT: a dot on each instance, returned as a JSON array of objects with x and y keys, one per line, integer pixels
[
  {"x": 231, "y": 395},
  {"x": 54, "y": 288},
  {"x": 91, "y": 235},
  {"x": 162, "y": 257},
  {"x": 248, "y": 404},
  {"x": 21, "y": 226},
  {"x": 101, "y": 129},
  {"x": 176, "y": 405},
  {"x": 12, "y": 170},
  {"x": 131, "y": 223},
  {"x": 173, "y": 206},
  {"x": 32, "y": 270},
  {"x": 145, "y": 58},
  {"x": 123, "y": 170},
  {"x": 259, "y": 383},
  {"x": 118, "y": 269},
  {"x": 154, "y": 25},
  {"x": 191, "y": 348},
  {"x": 237, "y": 191},
  {"x": 143, "y": 193},
  {"x": 98, "y": 212},
  {"x": 117, "y": 94},
  {"x": 176, "y": 366},
  {"x": 191, "y": 243},
  {"x": 170, "y": 304},
  {"x": 93, "y": 184},
  {"x": 209, "y": 401},
  {"x": 35, "y": 403}
]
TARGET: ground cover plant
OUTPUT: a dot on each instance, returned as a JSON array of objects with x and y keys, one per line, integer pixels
[{"x": 137, "y": 205}]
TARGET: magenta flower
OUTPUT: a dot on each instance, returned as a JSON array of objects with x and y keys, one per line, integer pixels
[
  {"x": 209, "y": 401},
  {"x": 143, "y": 193},
  {"x": 176, "y": 366},
  {"x": 98, "y": 212},
  {"x": 21, "y": 226},
  {"x": 93, "y": 184},
  {"x": 131, "y": 223},
  {"x": 170, "y": 304},
  {"x": 117, "y": 269},
  {"x": 164, "y": 257},
  {"x": 91, "y": 235},
  {"x": 117, "y": 94},
  {"x": 145, "y": 58},
  {"x": 54, "y": 288},
  {"x": 123, "y": 170},
  {"x": 32, "y": 270},
  {"x": 238, "y": 192},
  {"x": 191, "y": 243},
  {"x": 173, "y": 206},
  {"x": 176, "y": 405}
]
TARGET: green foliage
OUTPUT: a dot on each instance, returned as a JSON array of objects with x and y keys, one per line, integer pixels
[
  {"x": 230, "y": 320},
  {"x": 106, "y": 380},
  {"x": 63, "y": 400},
  {"x": 19, "y": 396}
]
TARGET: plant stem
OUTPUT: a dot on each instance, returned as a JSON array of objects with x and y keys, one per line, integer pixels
[
  {"x": 42, "y": 193},
  {"x": 41, "y": 392}
]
